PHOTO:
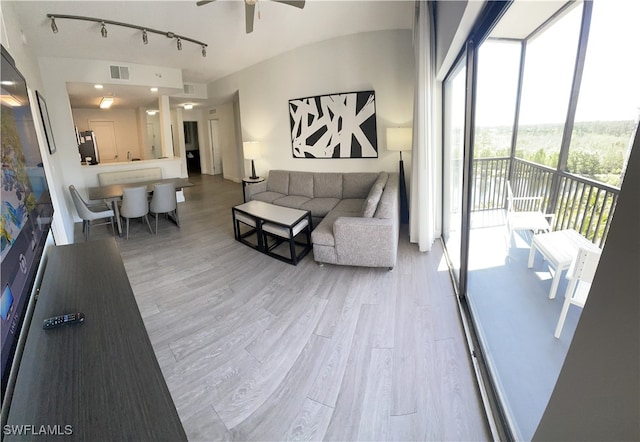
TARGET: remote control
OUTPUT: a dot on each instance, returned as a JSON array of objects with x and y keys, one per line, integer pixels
[{"x": 56, "y": 321}]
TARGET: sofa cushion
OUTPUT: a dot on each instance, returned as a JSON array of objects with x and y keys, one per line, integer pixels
[
  {"x": 371, "y": 202},
  {"x": 357, "y": 184},
  {"x": 323, "y": 233},
  {"x": 301, "y": 183},
  {"x": 293, "y": 201},
  {"x": 350, "y": 205},
  {"x": 327, "y": 185},
  {"x": 319, "y": 207},
  {"x": 278, "y": 181},
  {"x": 388, "y": 205},
  {"x": 267, "y": 197}
]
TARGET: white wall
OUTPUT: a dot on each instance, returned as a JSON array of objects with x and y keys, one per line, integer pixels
[
  {"x": 125, "y": 123},
  {"x": 379, "y": 61}
]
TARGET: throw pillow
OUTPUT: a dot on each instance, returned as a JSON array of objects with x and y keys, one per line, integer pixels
[{"x": 371, "y": 202}]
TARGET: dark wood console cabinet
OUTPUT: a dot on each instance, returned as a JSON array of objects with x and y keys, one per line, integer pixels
[{"x": 98, "y": 380}]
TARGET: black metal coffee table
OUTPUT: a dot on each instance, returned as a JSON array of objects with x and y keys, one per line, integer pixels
[{"x": 273, "y": 225}]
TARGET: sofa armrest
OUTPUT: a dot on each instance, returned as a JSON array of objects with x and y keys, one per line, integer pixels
[
  {"x": 252, "y": 189},
  {"x": 369, "y": 242}
]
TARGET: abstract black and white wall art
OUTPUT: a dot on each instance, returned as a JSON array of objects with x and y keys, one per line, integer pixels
[{"x": 334, "y": 126}]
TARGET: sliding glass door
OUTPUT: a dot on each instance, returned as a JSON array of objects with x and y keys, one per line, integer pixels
[
  {"x": 453, "y": 154},
  {"x": 531, "y": 102}
]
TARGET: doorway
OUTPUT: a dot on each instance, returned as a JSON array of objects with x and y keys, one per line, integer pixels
[{"x": 192, "y": 146}]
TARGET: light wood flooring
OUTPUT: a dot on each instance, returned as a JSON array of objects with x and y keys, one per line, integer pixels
[{"x": 256, "y": 349}]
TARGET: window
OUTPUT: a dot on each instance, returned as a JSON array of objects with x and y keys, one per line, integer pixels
[
  {"x": 497, "y": 88},
  {"x": 609, "y": 99},
  {"x": 548, "y": 74}
]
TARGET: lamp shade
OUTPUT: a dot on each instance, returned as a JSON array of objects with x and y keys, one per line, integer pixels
[
  {"x": 251, "y": 150},
  {"x": 399, "y": 138}
]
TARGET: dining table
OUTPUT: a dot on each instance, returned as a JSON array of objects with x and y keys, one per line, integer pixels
[{"x": 112, "y": 193}]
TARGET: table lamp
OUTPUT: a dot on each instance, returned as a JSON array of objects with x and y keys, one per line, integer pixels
[
  {"x": 251, "y": 152},
  {"x": 399, "y": 139}
]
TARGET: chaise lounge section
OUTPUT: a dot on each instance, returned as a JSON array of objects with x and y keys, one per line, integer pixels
[{"x": 355, "y": 214}]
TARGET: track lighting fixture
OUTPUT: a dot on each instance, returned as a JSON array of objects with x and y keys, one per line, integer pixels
[{"x": 145, "y": 30}]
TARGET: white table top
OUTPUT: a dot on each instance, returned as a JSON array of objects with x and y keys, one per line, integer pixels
[
  {"x": 270, "y": 212},
  {"x": 561, "y": 246}
]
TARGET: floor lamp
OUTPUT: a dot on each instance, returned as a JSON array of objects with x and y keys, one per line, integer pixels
[
  {"x": 251, "y": 152},
  {"x": 399, "y": 138}
]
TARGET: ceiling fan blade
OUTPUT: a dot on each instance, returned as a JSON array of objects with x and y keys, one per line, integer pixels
[
  {"x": 249, "y": 12},
  {"x": 296, "y": 3},
  {"x": 204, "y": 2}
]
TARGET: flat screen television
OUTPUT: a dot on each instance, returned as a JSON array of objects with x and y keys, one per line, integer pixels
[{"x": 26, "y": 212}]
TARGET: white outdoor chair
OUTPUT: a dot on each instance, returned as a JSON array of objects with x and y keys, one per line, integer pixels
[
  {"x": 135, "y": 205},
  {"x": 164, "y": 201},
  {"x": 91, "y": 212},
  {"x": 580, "y": 274},
  {"x": 531, "y": 219}
]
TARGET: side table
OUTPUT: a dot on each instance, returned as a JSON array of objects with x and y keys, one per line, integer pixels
[
  {"x": 248, "y": 180},
  {"x": 559, "y": 248}
]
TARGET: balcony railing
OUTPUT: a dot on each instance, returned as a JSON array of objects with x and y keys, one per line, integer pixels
[{"x": 578, "y": 203}]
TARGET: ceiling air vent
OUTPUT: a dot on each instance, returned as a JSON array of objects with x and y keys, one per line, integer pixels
[
  {"x": 119, "y": 72},
  {"x": 212, "y": 111},
  {"x": 189, "y": 89}
]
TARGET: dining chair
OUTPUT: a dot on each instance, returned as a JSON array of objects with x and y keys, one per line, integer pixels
[
  {"x": 91, "y": 212},
  {"x": 135, "y": 205},
  {"x": 580, "y": 275},
  {"x": 164, "y": 201},
  {"x": 524, "y": 213}
]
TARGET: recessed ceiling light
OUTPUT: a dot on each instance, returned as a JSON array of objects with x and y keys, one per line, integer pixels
[
  {"x": 7, "y": 83},
  {"x": 98, "y": 86},
  {"x": 154, "y": 89},
  {"x": 188, "y": 106},
  {"x": 152, "y": 112}
]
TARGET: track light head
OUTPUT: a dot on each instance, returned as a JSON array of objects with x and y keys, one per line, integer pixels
[
  {"x": 54, "y": 27},
  {"x": 145, "y": 39},
  {"x": 103, "y": 31},
  {"x": 179, "y": 44},
  {"x": 204, "y": 51}
]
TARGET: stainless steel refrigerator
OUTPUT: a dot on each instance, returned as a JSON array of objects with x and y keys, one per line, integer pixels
[{"x": 88, "y": 147}]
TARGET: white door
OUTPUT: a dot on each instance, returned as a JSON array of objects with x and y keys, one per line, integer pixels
[
  {"x": 105, "y": 137},
  {"x": 216, "y": 154}
]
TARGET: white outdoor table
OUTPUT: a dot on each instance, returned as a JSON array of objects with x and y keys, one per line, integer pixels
[{"x": 560, "y": 249}]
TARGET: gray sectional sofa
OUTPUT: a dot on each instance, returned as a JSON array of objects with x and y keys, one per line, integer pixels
[{"x": 355, "y": 215}]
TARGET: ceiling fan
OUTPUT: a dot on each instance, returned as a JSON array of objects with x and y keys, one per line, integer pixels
[{"x": 250, "y": 9}]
